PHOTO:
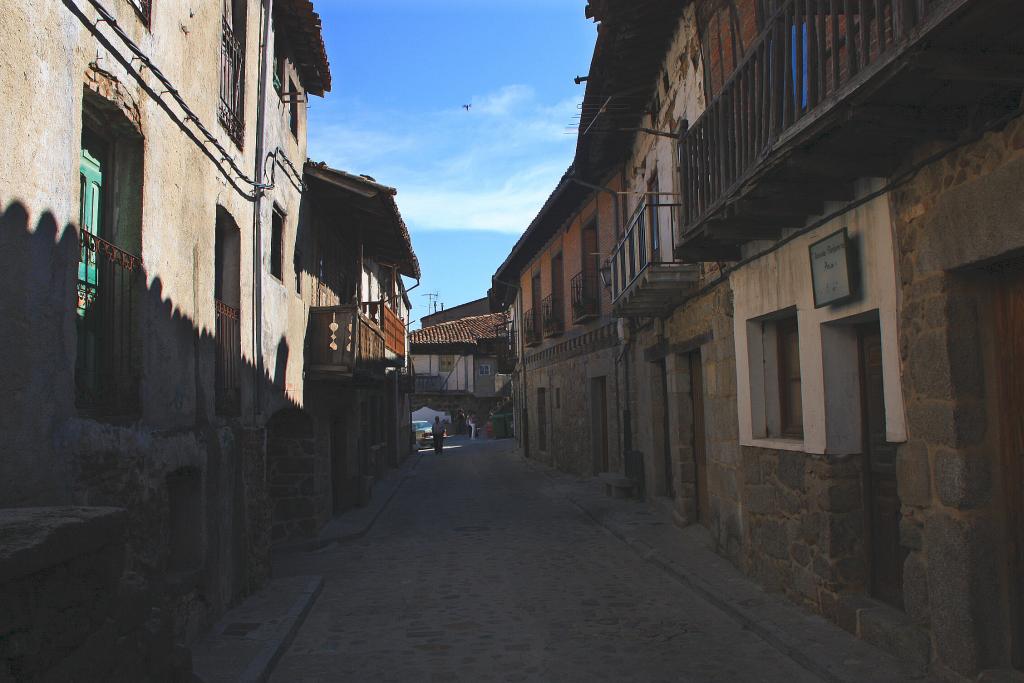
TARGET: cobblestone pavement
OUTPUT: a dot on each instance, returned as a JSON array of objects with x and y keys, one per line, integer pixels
[{"x": 478, "y": 571}]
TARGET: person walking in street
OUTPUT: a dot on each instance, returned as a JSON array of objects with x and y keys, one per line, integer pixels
[{"x": 438, "y": 431}]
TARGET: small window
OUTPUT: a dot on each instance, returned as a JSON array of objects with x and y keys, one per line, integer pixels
[
  {"x": 653, "y": 200},
  {"x": 280, "y": 61},
  {"x": 790, "y": 403},
  {"x": 277, "y": 245},
  {"x": 293, "y": 108},
  {"x": 446, "y": 363},
  {"x": 485, "y": 368}
]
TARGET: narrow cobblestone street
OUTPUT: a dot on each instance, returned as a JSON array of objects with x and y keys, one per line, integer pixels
[{"x": 479, "y": 570}]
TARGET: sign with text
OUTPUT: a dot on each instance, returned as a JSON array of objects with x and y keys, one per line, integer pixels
[{"x": 830, "y": 270}]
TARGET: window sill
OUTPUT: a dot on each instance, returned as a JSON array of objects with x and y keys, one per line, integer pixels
[{"x": 776, "y": 443}]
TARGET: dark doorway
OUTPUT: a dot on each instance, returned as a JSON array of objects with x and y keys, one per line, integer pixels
[
  {"x": 700, "y": 458},
  {"x": 666, "y": 442},
  {"x": 1009, "y": 318},
  {"x": 542, "y": 419},
  {"x": 599, "y": 423},
  {"x": 882, "y": 503},
  {"x": 341, "y": 486}
]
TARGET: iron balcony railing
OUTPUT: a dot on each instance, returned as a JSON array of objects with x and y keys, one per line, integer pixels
[
  {"x": 108, "y": 355},
  {"x": 343, "y": 340},
  {"x": 553, "y": 317},
  {"x": 641, "y": 245},
  {"x": 232, "y": 79},
  {"x": 228, "y": 371},
  {"x": 531, "y": 330},
  {"x": 810, "y": 55},
  {"x": 585, "y": 295}
]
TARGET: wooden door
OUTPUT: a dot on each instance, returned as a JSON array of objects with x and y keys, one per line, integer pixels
[
  {"x": 1010, "y": 357},
  {"x": 542, "y": 419},
  {"x": 599, "y": 423},
  {"x": 882, "y": 504},
  {"x": 340, "y": 479},
  {"x": 669, "y": 474},
  {"x": 700, "y": 458}
]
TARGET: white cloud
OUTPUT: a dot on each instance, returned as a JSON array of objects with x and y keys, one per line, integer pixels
[
  {"x": 509, "y": 207},
  {"x": 490, "y": 168},
  {"x": 502, "y": 102}
]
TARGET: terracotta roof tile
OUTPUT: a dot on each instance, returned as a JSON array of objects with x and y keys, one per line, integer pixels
[{"x": 468, "y": 330}]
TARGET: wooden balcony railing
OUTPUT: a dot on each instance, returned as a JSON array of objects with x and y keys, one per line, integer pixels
[
  {"x": 107, "y": 367},
  {"x": 553, "y": 316},
  {"x": 343, "y": 340},
  {"x": 390, "y": 322},
  {"x": 811, "y": 55},
  {"x": 394, "y": 333},
  {"x": 585, "y": 295},
  {"x": 531, "y": 329},
  {"x": 228, "y": 367},
  {"x": 232, "y": 75}
]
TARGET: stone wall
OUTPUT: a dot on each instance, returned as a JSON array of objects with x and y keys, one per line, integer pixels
[
  {"x": 567, "y": 380},
  {"x": 954, "y": 219},
  {"x": 298, "y": 477},
  {"x": 70, "y": 612},
  {"x": 804, "y": 525},
  {"x": 194, "y": 506},
  {"x": 702, "y": 325}
]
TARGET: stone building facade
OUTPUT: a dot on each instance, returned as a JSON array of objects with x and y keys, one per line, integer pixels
[
  {"x": 815, "y": 281},
  {"x": 157, "y": 306},
  {"x": 565, "y": 381}
]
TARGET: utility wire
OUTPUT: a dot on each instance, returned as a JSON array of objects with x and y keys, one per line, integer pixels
[{"x": 205, "y": 139}]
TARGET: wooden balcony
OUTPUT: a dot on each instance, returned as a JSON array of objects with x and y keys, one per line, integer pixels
[
  {"x": 393, "y": 327},
  {"x": 341, "y": 342},
  {"x": 645, "y": 281},
  {"x": 832, "y": 91}
]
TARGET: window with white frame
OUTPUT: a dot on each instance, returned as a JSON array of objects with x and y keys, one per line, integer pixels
[
  {"x": 484, "y": 368},
  {"x": 775, "y": 384}
]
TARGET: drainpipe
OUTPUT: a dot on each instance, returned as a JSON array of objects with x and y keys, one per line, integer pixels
[{"x": 267, "y": 9}]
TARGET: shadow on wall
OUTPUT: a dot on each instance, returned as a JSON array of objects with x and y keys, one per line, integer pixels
[{"x": 193, "y": 484}]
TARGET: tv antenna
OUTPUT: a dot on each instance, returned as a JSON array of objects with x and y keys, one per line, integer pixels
[{"x": 432, "y": 299}]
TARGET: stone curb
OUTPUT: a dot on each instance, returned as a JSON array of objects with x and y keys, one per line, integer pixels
[
  {"x": 220, "y": 656},
  {"x": 378, "y": 505},
  {"x": 787, "y": 643},
  {"x": 260, "y": 668}
]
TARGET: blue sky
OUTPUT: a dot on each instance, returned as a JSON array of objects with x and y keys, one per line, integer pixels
[{"x": 468, "y": 182}]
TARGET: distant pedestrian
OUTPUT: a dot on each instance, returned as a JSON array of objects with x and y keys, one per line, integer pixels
[
  {"x": 438, "y": 432},
  {"x": 472, "y": 425}
]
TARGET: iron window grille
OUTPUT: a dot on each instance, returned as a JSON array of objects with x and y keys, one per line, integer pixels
[
  {"x": 107, "y": 364},
  {"x": 232, "y": 79}
]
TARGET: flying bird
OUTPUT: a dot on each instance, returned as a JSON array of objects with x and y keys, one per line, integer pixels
[{"x": 467, "y": 106}]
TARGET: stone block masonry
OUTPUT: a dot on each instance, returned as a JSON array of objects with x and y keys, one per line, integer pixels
[{"x": 70, "y": 612}]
